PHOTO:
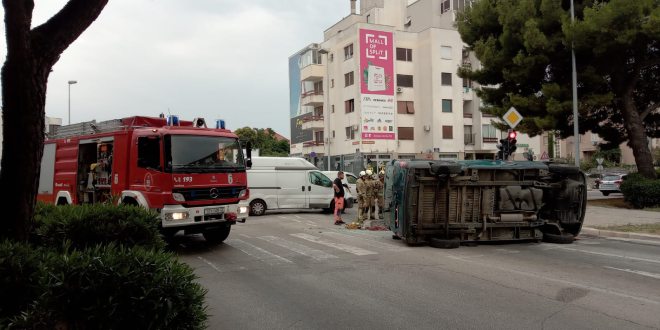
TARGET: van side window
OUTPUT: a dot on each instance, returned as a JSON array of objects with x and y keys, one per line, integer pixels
[
  {"x": 351, "y": 179},
  {"x": 319, "y": 179},
  {"x": 149, "y": 152}
]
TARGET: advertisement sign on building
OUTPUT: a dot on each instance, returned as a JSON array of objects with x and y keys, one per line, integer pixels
[
  {"x": 377, "y": 85},
  {"x": 298, "y": 134}
]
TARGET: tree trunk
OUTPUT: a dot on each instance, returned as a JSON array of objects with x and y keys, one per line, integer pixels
[
  {"x": 638, "y": 141},
  {"x": 24, "y": 97}
]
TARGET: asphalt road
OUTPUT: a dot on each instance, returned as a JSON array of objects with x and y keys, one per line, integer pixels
[{"x": 298, "y": 271}]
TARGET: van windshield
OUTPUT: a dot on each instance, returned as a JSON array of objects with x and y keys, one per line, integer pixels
[{"x": 203, "y": 154}]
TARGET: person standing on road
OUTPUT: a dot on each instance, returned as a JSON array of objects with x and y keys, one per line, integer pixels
[
  {"x": 369, "y": 196},
  {"x": 361, "y": 189},
  {"x": 338, "y": 185},
  {"x": 379, "y": 191}
]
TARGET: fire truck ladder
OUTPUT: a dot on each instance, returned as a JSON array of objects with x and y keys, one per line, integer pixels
[{"x": 87, "y": 128}]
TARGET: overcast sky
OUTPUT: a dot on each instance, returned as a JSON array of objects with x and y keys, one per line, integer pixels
[{"x": 213, "y": 58}]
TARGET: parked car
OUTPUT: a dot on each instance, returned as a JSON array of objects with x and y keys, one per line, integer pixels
[
  {"x": 594, "y": 179},
  {"x": 289, "y": 183},
  {"x": 611, "y": 183}
]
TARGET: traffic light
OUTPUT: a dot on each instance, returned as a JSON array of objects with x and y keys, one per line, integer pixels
[
  {"x": 504, "y": 149},
  {"x": 511, "y": 139}
]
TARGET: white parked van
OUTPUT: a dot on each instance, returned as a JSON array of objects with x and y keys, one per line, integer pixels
[
  {"x": 277, "y": 183},
  {"x": 350, "y": 180}
]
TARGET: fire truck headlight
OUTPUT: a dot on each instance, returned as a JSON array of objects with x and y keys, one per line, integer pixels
[
  {"x": 242, "y": 194},
  {"x": 178, "y": 197},
  {"x": 176, "y": 216},
  {"x": 243, "y": 209}
]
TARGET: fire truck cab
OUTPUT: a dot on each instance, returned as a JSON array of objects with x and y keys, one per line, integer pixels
[{"x": 193, "y": 176}]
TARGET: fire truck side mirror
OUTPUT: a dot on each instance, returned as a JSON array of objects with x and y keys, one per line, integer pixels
[{"x": 248, "y": 154}]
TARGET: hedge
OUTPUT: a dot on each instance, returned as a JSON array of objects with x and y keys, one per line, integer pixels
[
  {"x": 104, "y": 287},
  {"x": 91, "y": 225},
  {"x": 641, "y": 192}
]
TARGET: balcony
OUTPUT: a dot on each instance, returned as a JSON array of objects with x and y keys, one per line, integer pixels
[
  {"x": 313, "y": 122},
  {"x": 469, "y": 139},
  {"x": 312, "y": 98},
  {"x": 468, "y": 94},
  {"x": 490, "y": 140},
  {"x": 312, "y": 72}
]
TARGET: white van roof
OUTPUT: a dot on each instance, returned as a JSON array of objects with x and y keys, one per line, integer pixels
[{"x": 282, "y": 163}]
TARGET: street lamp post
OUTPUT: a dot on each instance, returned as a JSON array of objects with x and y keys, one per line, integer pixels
[
  {"x": 576, "y": 130},
  {"x": 71, "y": 82}
]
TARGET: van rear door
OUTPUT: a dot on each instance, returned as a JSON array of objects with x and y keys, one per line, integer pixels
[
  {"x": 293, "y": 190},
  {"x": 319, "y": 190}
]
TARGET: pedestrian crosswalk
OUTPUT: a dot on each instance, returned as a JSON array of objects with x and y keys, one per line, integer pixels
[{"x": 243, "y": 252}]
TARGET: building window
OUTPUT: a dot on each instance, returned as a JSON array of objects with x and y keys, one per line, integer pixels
[
  {"x": 404, "y": 54},
  {"x": 447, "y": 132},
  {"x": 445, "y": 6},
  {"x": 349, "y": 106},
  {"x": 318, "y": 137},
  {"x": 467, "y": 84},
  {"x": 350, "y": 133},
  {"x": 332, "y": 107},
  {"x": 333, "y": 134},
  {"x": 318, "y": 111},
  {"x": 405, "y": 107},
  {"x": 406, "y": 133},
  {"x": 404, "y": 80},
  {"x": 446, "y": 105},
  {"x": 348, "y": 52},
  {"x": 469, "y": 136},
  {"x": 446, "y": 79},
  {"x": 349, "y": 79},
  {"x": 489, "y": 131},
  {"x": 318, "y": 88},
  {"x": 445, "y": 52},
  {"x": 332, "y": 83}
]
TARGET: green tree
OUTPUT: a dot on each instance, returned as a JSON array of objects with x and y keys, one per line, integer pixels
[
  {"x": 525, "y": 50},
  {"x": 264, "y": 140},
  {"x": 31, "y": 54}
]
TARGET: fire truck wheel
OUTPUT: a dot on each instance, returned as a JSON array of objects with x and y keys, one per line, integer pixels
[
  {"x": 445, "y": 243},
  {"x": 558, "y": 239},
  {"x": 257, "y": 207},
  {"x": 217, "y": 235}
]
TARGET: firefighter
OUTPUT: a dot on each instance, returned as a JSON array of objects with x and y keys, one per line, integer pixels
[
  {"x": 361, "y": 189},
  {"x": 379, "y": 191},
  {"x": 369, "y": 196}
]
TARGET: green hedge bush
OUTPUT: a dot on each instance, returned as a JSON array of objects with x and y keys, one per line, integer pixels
[
  {"x": 91, "y": 225},
  {"x": 641, "y": 192},
  {"x": 103, "y": 287}
]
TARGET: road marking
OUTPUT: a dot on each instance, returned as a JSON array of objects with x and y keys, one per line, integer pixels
[
  {"x": 315, "y": 254},
  {"x": 563, "y": 282},
  {"x": 611, "y": 255},
  {"x": 343, "y": 247},
  {"x": 638, "y": 272},
  {"x": 218, "y": 269},
  {"x": 368, "y": 241},
  {"x": 257, "y": 252}
]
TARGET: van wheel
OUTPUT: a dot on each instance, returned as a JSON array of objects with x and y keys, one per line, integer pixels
[
  {"x": 217, "y": 235},
  {"x": 257, "y": 207},
  {"x": 331, "y": 209}
]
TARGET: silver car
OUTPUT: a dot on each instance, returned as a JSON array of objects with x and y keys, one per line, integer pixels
[{"x": 611, "y": 183}]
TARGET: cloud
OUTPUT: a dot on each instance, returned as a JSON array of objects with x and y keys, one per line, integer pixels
[{"x": 213, "y": 58}]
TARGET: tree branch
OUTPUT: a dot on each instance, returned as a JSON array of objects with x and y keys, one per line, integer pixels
[
  {"x": 50, "y": 39},
  {"x": 649, "y": 63},
  {"x": 18, "y": 18},
  {"x": 649, "y": 109}
]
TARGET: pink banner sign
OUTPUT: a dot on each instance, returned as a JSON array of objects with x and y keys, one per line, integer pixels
[{"x": 376, "y": 62}]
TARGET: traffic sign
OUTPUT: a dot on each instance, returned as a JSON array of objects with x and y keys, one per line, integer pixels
[
  {"x": 512, "y": 117},
  {"x": 544, "y": 156}
]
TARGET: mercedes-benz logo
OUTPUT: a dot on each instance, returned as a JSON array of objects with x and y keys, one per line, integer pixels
[{"x": 214, "y": 193}]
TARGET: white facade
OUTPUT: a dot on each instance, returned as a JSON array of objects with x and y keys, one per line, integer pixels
[{"x": 441, "y": 117}]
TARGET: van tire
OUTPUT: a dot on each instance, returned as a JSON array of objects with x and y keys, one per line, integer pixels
[
  {"x": 558, "y": 239},
  {"x": 445, "y": 243},
  {"x": 217, "y": 235},
  {"x": 257, "y": 207}
]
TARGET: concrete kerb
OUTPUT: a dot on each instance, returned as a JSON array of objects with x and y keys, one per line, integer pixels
[{"x": 587, "y": 231}]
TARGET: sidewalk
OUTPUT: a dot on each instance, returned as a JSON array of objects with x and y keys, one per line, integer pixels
[{"x": 605, "y": 216}]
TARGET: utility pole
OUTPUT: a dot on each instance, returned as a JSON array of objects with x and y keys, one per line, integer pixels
[{"x": 576, "y": 130}]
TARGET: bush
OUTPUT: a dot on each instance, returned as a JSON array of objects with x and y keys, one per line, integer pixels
[
  {"x": 104, "y": 287},
  {"x": 91, "y": 225},
  {"x": 641, "y": 192}
]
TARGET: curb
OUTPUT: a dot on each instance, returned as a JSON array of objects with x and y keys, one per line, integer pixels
[{"x": 586, "y": 231}]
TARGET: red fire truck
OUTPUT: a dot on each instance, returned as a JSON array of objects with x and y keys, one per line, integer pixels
[{"x": 193, "y": 176}]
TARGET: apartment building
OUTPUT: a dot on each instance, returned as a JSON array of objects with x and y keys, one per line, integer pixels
[
  {"x": 590, "y": 144},
  {"x": 383, "y": 85}
]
